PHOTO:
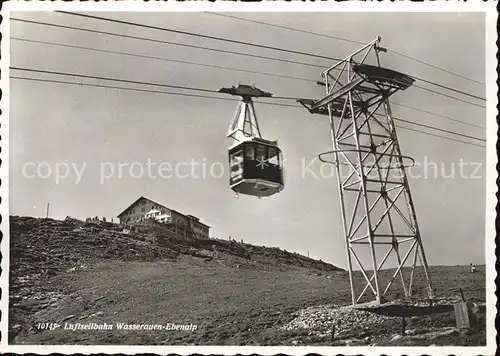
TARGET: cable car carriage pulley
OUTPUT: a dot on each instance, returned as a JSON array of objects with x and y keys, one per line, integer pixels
[{"x": 256, "y": 164}]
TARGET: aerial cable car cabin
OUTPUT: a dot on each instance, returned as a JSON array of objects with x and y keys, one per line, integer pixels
[{"x": 256, "y": 164}]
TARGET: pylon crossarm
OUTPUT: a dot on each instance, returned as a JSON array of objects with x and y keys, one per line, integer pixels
[
  {"x": 339, "y": 93},
  {"x": 346, "y": 59}
]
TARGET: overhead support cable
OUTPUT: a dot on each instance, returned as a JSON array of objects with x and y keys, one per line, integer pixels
[
  {"x": 398, "y": 104},
  {"x": 285, "y": 27},
  {"x": 354, "y": 42},
  {"x": 245, "y": 54},
  {"x": 163, "y": 59},
  {"x": 437, "y": 129},
  {"x": 434, "y": 114},
  {"x": 200, "y": 35},
  {"x": 188, "y": 95},
  {"x": 169, "y": 43},
  {"x": 113, "y": 79},
  {"x": 436, "y": 67},
  {"x": 449, "y": 96}
]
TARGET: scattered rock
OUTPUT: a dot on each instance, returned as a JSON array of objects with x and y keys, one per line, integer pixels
[
  {"x": 435, "y": 333},
  {"x": 68, "y": 317},
  {"x": 395, "y": 338},
  {"x": 345, "y": 318}
]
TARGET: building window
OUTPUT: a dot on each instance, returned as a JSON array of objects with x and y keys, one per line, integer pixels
[{"x": 143, "y": 209}]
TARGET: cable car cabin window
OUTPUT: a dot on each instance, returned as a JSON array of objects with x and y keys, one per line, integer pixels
[
  {"x": 273, "y": 156},
  {"x": 261, "y": 153},
  {"x": 249, "y": 153},
  {"x": 236, "y": 163},
  {"x": 236, "y": 158}
]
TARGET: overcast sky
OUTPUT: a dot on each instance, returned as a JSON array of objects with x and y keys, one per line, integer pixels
[{"x": 95, "y": 127}]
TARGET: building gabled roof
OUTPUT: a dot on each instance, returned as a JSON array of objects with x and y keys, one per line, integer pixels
[
  {"x": 163, "y": 206},
  {"x": 141, "y": 197}
]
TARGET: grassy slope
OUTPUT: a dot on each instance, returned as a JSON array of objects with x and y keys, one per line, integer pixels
[{"x": 230, "y": 305}]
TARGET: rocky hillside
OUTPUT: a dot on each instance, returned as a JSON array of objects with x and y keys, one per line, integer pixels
[
  {"x": 236, "y": 293},
  {"x": 46, "y": 246}
]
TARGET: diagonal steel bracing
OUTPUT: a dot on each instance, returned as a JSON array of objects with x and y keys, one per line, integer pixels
[{"x": 378, "y": 214}]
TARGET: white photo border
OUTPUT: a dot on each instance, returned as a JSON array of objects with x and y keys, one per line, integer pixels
[{"x": 488, "y": 8}]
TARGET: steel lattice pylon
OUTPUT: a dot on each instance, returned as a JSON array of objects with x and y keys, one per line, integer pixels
[{"x": 378, "y": 214}]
